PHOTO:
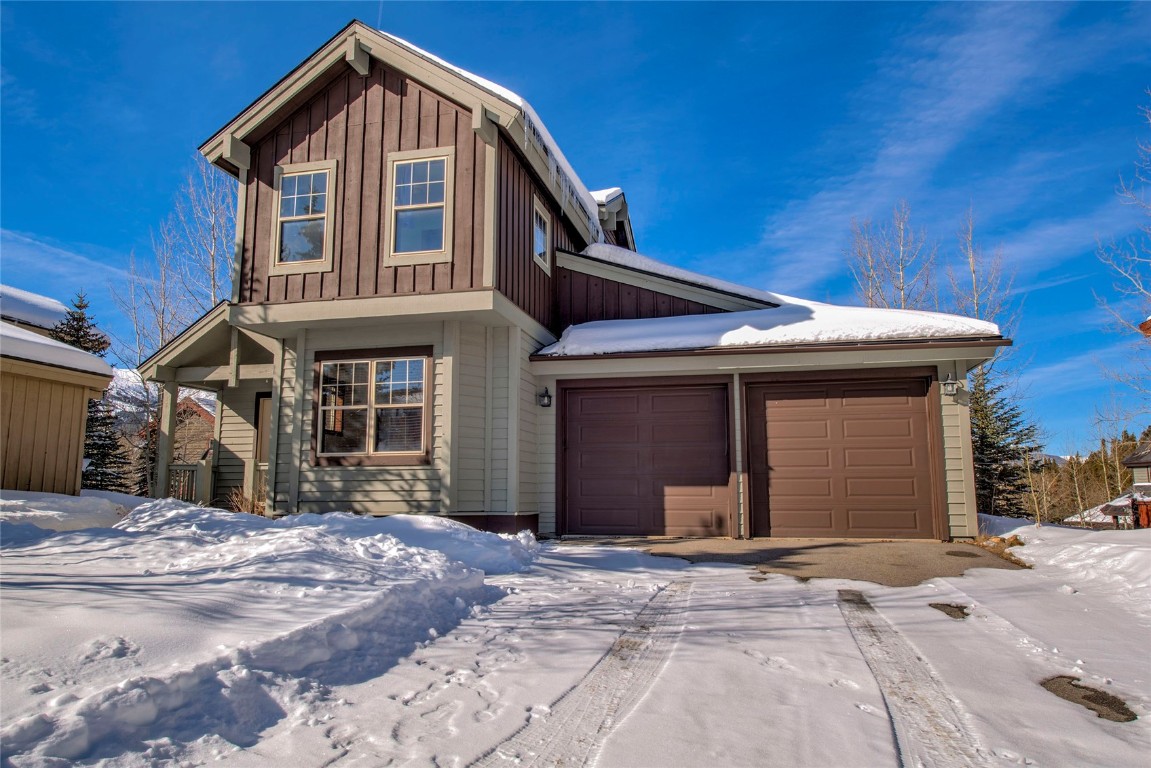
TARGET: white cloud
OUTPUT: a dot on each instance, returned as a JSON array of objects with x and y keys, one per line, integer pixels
[{"x": 29, "y": 257}]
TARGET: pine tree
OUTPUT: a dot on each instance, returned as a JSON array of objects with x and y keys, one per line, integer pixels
[
  {"x": 1002, "y": 441},
  {"x": 107, "y": 463}
]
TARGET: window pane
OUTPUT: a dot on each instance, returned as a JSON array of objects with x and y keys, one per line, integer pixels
[
  {"x": 287, "y": 206},
  {"x": 436, "y": 192},
  {"x": 404, "y": 195},
  {"x": 436, "y": 170},
  {"x": 301, "y": 241},
  {"x": 403, "y": 173},
  {"x": 540, "y": 236},
  {"x": 399, "y": 429},
  {"x": 420, "y": 171},
  {"x": 419, "y": 194},
  {"x": 288, "y": 186},
  {"x": 317, "y": 201},
  {"x": 421, "y": 230},
  {"x": 344, "y": 430}
]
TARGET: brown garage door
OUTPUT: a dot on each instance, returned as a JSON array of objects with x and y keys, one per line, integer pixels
[
  {"x": 646, "y": 461},
  {"x": 841, "y": 459}
]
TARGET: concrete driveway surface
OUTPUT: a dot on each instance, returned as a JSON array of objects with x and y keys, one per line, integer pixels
[{"x": 902, "y": 563}]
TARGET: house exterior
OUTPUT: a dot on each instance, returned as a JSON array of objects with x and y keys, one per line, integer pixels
[
  {"x": 432, "y": 314},
  {"x": 45, "y": 387},
  {"x": 1139, "y": 463}
]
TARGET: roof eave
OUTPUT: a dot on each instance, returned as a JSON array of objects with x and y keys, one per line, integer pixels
[{"x": 963, "y": 342}]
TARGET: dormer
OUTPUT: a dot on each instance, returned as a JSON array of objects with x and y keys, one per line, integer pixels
[{"x": 614, "y": 218}]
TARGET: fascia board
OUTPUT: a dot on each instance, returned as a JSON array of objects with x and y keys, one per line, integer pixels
[{"x": 187, "y": 338}]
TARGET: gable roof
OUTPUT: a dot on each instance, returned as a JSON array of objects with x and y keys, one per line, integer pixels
[
  {"x": 1141, "y": 457},
  {"x": 22, "y": 344},
  {"x": 229, "y": 147}
]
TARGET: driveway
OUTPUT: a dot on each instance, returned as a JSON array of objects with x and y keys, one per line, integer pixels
[{"x": 891, "y": 563}]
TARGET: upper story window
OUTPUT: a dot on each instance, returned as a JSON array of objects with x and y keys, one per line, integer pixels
[
  {"x": 302, "y": 227},
  {"x": 541, "y": 235},
  {"x": 372, "y": 409},
  {"x": 420, "y": 194}
]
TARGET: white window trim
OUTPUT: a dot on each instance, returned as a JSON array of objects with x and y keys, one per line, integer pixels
[
  {"x": 371, "y": 407},
  {"x": 421, "y": 257},
  {"x": 276, "y": 267},
  {"x": 538, "y": 207}
]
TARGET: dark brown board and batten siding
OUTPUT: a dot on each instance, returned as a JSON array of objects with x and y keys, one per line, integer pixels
[
  {"x": 581, "y": 298},
  {"x": 517, "y": 274},
  {"x": 358, "y": 121}
]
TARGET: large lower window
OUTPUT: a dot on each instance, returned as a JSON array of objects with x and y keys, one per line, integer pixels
[
  {"x": 373, "y": 406},
  {"x": 302, "y": 224},
  {"x": 420, "y": 205}
]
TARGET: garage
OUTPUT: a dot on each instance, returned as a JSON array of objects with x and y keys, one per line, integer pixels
[
  {"x": 646, "y": 460},
  {"x": 842, "y": 459}
]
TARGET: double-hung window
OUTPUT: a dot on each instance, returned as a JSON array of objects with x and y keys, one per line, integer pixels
[
  {"x": 372, "y": 406},
  {"x": 303, "y": 221},
  {"x": 420, "y": 195},
  {"x": 541, "y": 235}
]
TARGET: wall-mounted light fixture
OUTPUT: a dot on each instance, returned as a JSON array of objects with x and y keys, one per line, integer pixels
[
  {"x": 950, "y": 385},
  {"x": 544, "y": 398}
]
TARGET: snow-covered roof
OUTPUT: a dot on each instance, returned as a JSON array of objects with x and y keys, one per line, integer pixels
[
  {"x": 793, "y": 321},
  {"x": 1140, "y": 458},
  {"x": 23, "y": 344},
  {"x": 605, "y": 196},
  {"x": 533, "y": 126},
  {"x": 30, "y": 308}
]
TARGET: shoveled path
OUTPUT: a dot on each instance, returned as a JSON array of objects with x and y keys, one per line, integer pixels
[{"x": 892, "y": 563}]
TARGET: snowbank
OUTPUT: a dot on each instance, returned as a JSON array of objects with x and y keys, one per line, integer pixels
[
  {"x": 54, "y": 512},
  {"x": 1116, "y": 562},
  {"x": 25, "y": 345},
  {"x": 182, "y": 618},
  {"x": 31, "y": 308}
]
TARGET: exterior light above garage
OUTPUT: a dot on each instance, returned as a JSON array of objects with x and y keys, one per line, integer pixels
[
  {"x": 950, "y": 385},
  {"x": 544, "y": 398}
]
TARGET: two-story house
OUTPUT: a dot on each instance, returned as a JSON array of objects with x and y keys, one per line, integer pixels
[{"x": 432, "y": 314}]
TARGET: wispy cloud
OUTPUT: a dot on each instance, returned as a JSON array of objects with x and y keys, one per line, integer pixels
[
  {"x": 1049, "y": 242},
  {"x": 929, "y": 96},
  {"x": 1077, "y": 373},
  {"x": 31, "y": 259}
]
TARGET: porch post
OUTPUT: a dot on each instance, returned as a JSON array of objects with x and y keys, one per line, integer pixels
[{"x": 165, "y": 436}]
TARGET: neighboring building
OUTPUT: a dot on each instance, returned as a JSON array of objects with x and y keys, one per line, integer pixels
[
  {"x": 45, "y": 387},
  {"x": 431, "y": 313},
  {"x": 1139, "y": 463},
  {"x": 31, "y": 311}
]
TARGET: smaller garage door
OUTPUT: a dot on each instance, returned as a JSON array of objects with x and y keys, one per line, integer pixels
[
  {"x": 841, "y": 459},
  {"x": 646, "y": 461}
]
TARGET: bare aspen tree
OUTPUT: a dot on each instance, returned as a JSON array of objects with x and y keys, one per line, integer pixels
[
  {"x": 893, "y": 265},
  {"x": 980, "y": 288},
  {"x": 1129, "y": 262}
]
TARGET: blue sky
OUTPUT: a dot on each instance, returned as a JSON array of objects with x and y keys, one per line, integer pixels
[{"x": 747, "y": 136}]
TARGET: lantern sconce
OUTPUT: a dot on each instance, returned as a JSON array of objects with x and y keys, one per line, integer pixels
[
  {"x": 950, "y": 385},
  {"x": 544, "y": 398}
]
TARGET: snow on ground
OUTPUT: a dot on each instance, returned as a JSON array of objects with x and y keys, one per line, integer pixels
[
  {"x": 53, "y": 512},
  {"x": 198, "y": 636}
]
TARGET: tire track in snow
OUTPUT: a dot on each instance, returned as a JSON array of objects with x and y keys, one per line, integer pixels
[
  {"x": 574, "y": 728},
  {"x": 931, "y": 728}
]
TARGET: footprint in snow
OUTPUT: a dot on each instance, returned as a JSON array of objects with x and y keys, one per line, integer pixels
[
  {"x": 771, "y": 662},
  {"x": 843, "y": 683},
  {"x": 109, "y": 647}
]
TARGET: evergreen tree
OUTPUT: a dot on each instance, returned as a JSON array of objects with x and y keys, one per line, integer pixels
[
  {"x": 1002, "y": 441},
  {"x": 107, "y": 463}
]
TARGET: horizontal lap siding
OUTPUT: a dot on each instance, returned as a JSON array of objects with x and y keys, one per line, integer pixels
[
  {"x": 957, "y": 467},
  {"x": 581, "y": 298},
  {"x": 517, "y": 274},
  {"x": 237, "y": 436},
  {"x": 358, "y": 121},
  {"x": 42, "y": 430},
  {"x": 500, "y": 414},
  {"x": 528, "y": 438}
]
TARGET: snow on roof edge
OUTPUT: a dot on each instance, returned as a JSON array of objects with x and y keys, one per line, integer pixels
[
  {"x": 605, "y": 196},
  {"x": 21, "y": 344},
  {"x": 532, "y": 121},
  {"x": 31, "y": 308}
]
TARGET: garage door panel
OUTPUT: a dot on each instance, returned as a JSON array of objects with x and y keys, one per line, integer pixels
[
  {"x": 894, "y": 459},
  {"x": 859, "y": 466},
  {"x": 608, "y": 434},
  {"x": 609, "y": 459},
  {"x": 868, "y": 428},
  {"x": 883, "y": 488},
  {"x": 672, "y": 476},
  {"x": 609, "y": 405}
]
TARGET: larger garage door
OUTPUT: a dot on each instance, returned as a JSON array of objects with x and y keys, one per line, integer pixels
[
  {"x": 841, "y": 459},
  {"x": 647, "y": 461}
]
